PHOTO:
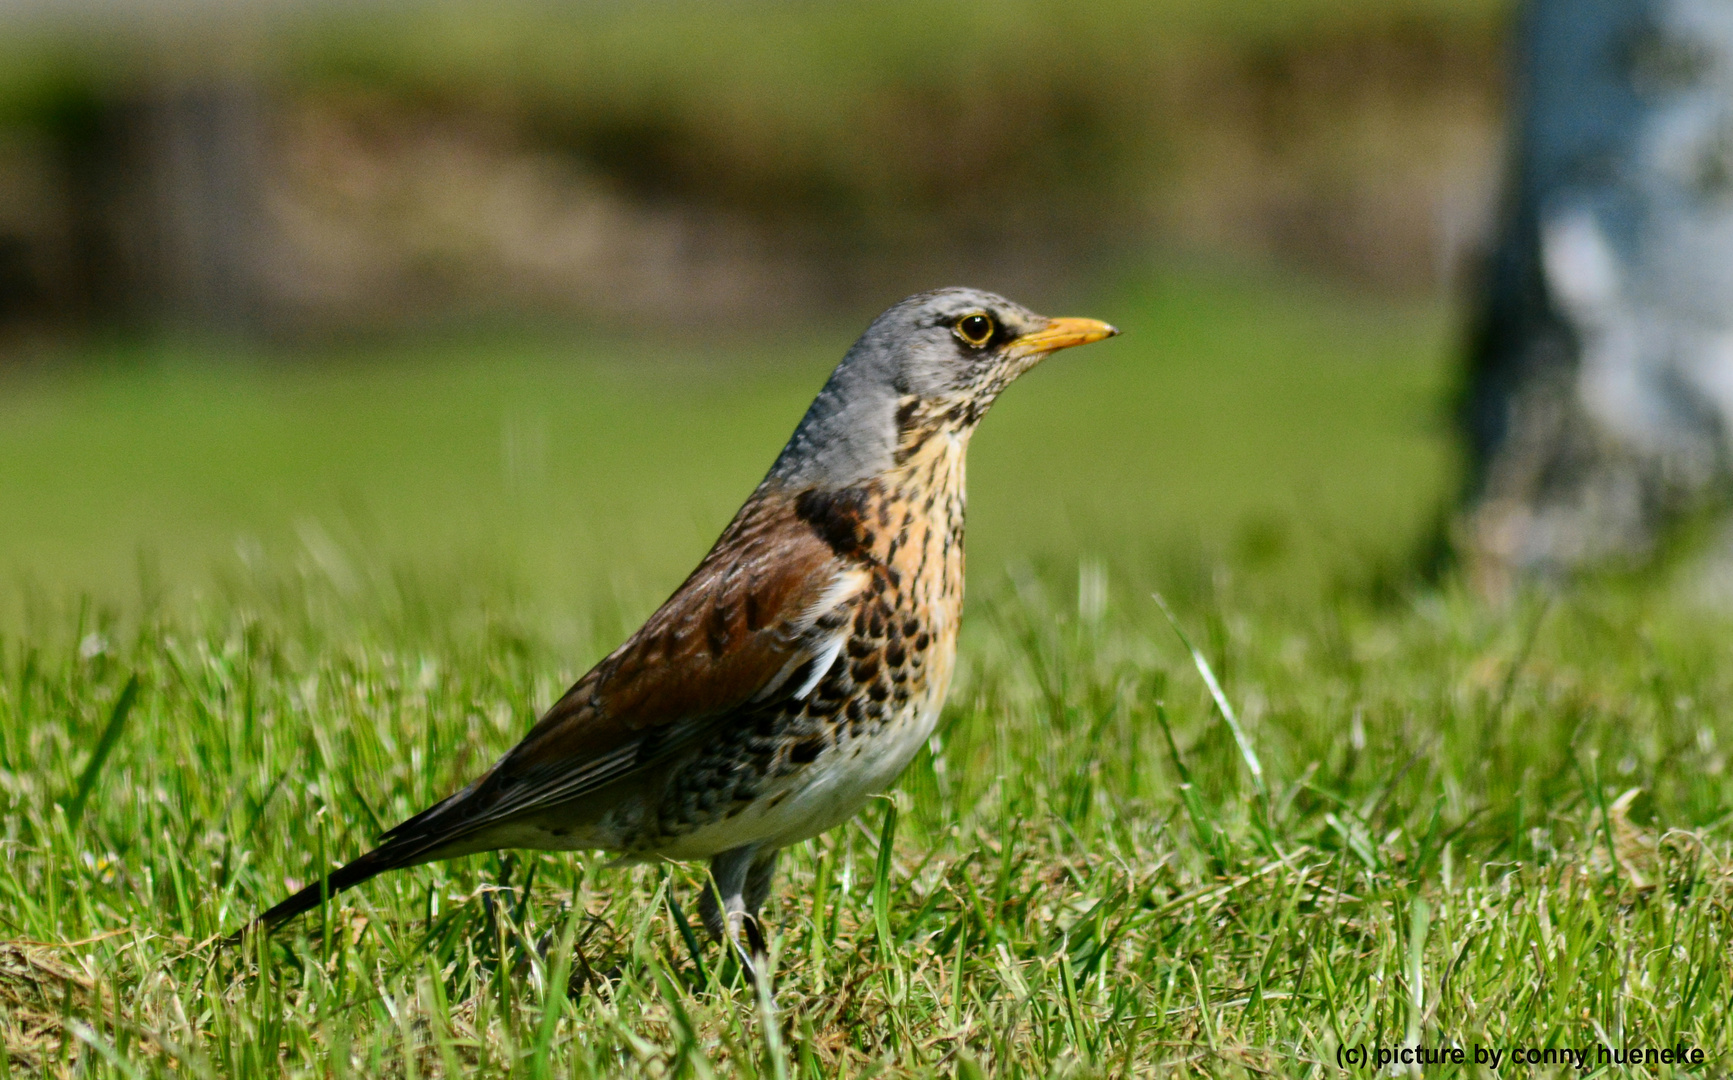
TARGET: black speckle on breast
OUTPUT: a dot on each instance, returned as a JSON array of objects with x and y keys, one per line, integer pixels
[
  {"x": 884, "y": 672},
  {"x": 806, "y": 751}
]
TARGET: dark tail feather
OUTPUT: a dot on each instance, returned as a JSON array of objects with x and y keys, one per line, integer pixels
[
  {"x": 415, "y": 841},
  {"x": 378, "y": 861}
]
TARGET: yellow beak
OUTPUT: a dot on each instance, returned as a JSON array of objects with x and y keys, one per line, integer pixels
[{"x": 1062, "y": 334}]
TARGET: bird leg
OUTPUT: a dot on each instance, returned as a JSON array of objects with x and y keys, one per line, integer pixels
[
  {"x": 739, "y": 882},
  {"x": 758, "y": 878},
  {"x": 724, "y": 901}
]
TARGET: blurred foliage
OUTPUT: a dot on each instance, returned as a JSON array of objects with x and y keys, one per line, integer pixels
[
  {"x": 990, "y": 129},
  {"x": 760, "y": 49}
]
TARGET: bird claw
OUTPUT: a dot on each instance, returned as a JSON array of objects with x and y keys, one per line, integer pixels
[
  {"x": 746, "y": 940},
  {"x": 754, "y": 936}
]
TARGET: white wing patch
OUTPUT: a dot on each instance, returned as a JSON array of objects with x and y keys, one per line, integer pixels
[
  {"x": 842, "y": 587},
  {"x": 821, "y": 654},
  {"x": 822, "y": 664}
]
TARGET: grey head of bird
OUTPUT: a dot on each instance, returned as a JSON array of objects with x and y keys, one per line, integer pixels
[{"x": 933, "y": 363}]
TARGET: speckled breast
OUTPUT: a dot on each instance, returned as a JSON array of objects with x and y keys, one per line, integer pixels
[{"x": 799, "y": 767}]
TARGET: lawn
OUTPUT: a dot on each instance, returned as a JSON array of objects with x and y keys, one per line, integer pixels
[
  {"x": 584, "y": 464},
  {"x": 365, "y": 568}
]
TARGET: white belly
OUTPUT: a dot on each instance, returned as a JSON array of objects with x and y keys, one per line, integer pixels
[{"x": 823, "y": 795}]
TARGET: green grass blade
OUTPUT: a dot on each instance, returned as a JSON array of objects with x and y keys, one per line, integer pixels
[
  {"x": 1201, "y": 823},
  {"x": 554, "y": 996},
  {"x": 689, "y": 938},
  {"x": 110, "y": 735},
  {"x": 1419, "y": 922},
  {"x": 1250, "y": 755},
  {"x": 887, "y": 946}
]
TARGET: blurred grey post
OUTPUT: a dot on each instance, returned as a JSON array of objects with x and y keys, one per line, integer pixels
[
  {"x": 1600, "y": 400},
  {"x": 165, "y": 178}
]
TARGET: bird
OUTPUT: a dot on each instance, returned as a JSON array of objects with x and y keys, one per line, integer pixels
[{"x": 798, "y": 669}]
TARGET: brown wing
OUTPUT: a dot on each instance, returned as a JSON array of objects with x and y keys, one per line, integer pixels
[
  {"x": 745, "y": 627},
  {"x": 739, "y": 630}
]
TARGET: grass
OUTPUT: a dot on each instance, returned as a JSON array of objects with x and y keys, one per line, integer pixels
[{"x": 1476, "y": 827}]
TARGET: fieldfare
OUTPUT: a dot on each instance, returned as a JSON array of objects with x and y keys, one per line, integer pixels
[{"x": 801, "y": 665}]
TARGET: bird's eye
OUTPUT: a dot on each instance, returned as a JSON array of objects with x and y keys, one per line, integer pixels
[{"x": 975, "y": 330}]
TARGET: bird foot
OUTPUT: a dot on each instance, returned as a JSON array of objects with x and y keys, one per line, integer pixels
[{"x": 745, "y": 940}]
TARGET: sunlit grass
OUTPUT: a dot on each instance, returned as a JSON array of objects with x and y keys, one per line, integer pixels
[
  {"x": 1444, "y": 855},
  {"x": 1499, "y": 826}
]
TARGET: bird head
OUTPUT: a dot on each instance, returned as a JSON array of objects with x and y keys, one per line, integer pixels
[{"x": 933, "y": 363}]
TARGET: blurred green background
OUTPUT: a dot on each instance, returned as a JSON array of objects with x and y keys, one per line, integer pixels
[
  {"x": 1294, "y": 424},
  {"x": 533, "y": 292}
]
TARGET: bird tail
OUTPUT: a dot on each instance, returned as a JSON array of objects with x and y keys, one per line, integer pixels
[
  {"x": 388, "y": 856},
  {"x": 427, "y": 836}
]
